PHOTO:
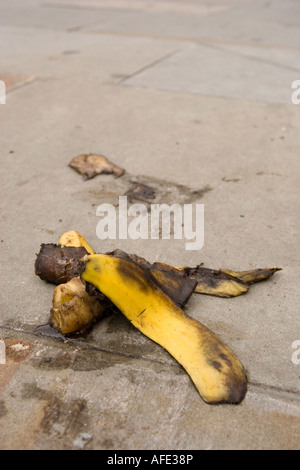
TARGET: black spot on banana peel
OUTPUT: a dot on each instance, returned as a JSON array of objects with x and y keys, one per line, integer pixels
[
  {"x": 213, "y": 367},
  {"x": 178, "y": 288}
]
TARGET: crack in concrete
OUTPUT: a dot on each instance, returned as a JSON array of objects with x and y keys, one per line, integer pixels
[
  {"x": 253, "y": 58},
  {"x": 148, "y": 66}
]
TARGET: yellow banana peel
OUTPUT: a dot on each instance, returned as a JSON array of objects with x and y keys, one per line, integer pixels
[
  {"x": 215, "y": 370},
  {"x": 151, "y": 296}
]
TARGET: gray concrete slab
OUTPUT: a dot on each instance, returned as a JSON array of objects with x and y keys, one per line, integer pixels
[
  {"x": 114, "y": 388},
  {"x": 61, "y": 393},
  {"x": 225, "y": 71},
  {"x": 257, "y": 22},
  {"x": 70, "y": 55},
  {"x": 34, "y": 14}
]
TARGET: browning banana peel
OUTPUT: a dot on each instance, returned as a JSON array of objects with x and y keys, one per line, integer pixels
[
  {"x": 57, "y": 264},
  {"x": 178, "y": 286},
  {"x": 73, "y": 308},
  {"x": 73, "y": 238},
  {"x": 253, "y": 275},
  {"x": 215, "y": 370},
  {"x": 225, "y": 283},
  {"x": 90, "y": 165}
]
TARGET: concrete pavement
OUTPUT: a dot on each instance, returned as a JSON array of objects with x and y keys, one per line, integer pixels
[{"x": 189, "y": 96}]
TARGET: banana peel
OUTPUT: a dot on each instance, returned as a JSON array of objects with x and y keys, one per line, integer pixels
[
  {"x": 74, "y": 238},
  {"x": 226, "y": 283},
  {"x": 177, "y": 285},
  {"x": 251, "y": 276},
  {"x": 219, "y": 283},
  {"x": 77, "y": 307},
  {"x": 151, "y": 296},
  {"x": 74, "y": 310},
  {"x": 215, "y": 370},
  {"x": 61, "y": 264}
]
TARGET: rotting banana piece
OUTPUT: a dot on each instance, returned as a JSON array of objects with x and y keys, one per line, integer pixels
[
  {"x": 219, "y": 283},
  {"x": 225, "y": 283},
  {"x": 74, "y": 310},
  {"x": 73, "y": 238},
  {"x": 90, "y": 165},
  {"x": 253, "y": 275},
  {"x": 215, "y": 370},
  {"x": 58, "y": 264},
  {"x": 216, "y": 283}
]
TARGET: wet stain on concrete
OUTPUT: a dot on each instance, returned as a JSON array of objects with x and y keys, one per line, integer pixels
[
  {"x": 76, "y": 359},
  {"x": 160, "y": 191},
  {"x": 69, "y": 414},
  {"x": 61, "y": 420},
  {"x": 140, "y": 192},
  {"x": 142, "y": 189},
  {"x": 47, "y": 331},
  {"x": 118, "y": 323},
  {"x": 3, "y": 409},
  {"x": 16, "y": 351},
  {"x": 107, "y": 444}
]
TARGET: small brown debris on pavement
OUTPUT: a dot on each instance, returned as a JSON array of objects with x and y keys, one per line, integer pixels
[{"x": 90, "y": 165}]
